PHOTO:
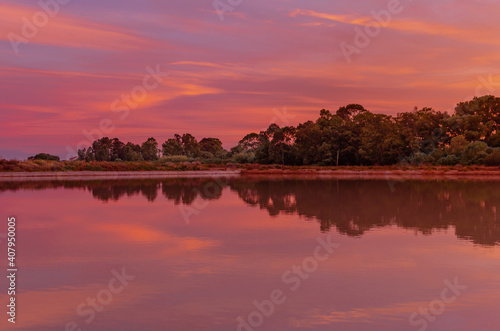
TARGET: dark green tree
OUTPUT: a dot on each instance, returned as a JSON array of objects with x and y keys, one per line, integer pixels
[
  {"x": 190, "y": 145},
  {"x": 102, "y": 149},
  {"x": 149, "y": 150},
  {"x": 172, "y": 147},
  {"x": 44, "y": 156},
  {"x": 212, "y": 145}
]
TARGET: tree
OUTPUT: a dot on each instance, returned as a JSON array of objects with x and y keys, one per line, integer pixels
[
  {"x": 493, "y": 159},
  {"x": 132, "y": 152},
  {"x": 86, "y": 154},
  {"x": 149, "y": 150},
  {"x": 475, "y": 153},
  {"x": 45, "y": 156},
  {"x": 380, "y": 141},
  {"x": 213, "y": 146},
  {"x": 190, "y": 145},
  {"x": 423, "y": 129},
  {"x": 484, "y": 113},
  {"x": 457, "y": 146},
  {"x": 246, "y": 149},
  {"x": 172, "y": 147},
  {"x": 309, "y": 138},
  {"x": 102, "y": 149},
  {"x": 251, "y": 141},
  {"x": 281, "y": 146},
  {"x": 350, "y": 136},
  {"x": 117, "y": 150},
  {"x": 494, "y": 140},
  {"x": 350, "y": 111}
]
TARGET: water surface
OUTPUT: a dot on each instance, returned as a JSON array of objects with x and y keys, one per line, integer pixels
[{"x": 204, "y": 253}]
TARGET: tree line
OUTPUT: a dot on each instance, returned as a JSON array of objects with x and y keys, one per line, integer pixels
[
  {"x": 106, "y": 149},
  {"x": 351, "y": 135}
]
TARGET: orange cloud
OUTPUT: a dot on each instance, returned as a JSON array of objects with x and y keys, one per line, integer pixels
[
  {"x": 136, "y": 233},
  {"x": 476, "y": 34},
  {"x": 332, "y": 17}
]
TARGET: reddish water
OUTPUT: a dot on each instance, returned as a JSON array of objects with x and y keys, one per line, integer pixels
[{"x": 204, "y": 255}]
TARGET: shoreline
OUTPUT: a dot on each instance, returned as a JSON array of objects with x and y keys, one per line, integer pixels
[
  {"x": 90, "y": 175},
  {"x": 389, "y": 174}
]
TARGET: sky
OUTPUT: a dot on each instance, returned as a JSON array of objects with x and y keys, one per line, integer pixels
[{"x": 74, "y": 71}]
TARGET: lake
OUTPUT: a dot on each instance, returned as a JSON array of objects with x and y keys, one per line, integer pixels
[{"x": 255, "y": 253}]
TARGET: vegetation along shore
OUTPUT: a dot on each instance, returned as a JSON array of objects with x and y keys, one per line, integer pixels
[{"x": 350, "y": 137}]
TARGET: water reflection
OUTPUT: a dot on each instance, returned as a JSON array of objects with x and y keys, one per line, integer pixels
[{"x": 352, "y": 207}]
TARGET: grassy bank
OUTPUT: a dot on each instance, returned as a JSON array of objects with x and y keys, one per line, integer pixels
[
  {"x": 58, "y": 166},
  {"x": 45, "y": 165}
]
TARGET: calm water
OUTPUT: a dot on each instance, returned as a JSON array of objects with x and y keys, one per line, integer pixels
[{"x": 204, "y": 254}]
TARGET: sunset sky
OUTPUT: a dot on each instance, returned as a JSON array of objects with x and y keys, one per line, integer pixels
[{"x": 227, "y": 74}]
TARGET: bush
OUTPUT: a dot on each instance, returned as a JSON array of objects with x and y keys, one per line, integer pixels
[
  {"x": 494, "y": 140},
  {"x": 212, "y": 161},
  {"x": 493, "y": 159},
  {"x": 206, "y": 155},
  {"x": 474, "y": 153},
  {"x": 436, "y": 154},
  {"x": 45, "y": 156},
  {"x": 174, "y": 159},
  {"x": 448, "y": 160},
  {"x": 458, "y": 145},
  {"x": 243, "y": 157},
  {"x": 417, "y": 158}
]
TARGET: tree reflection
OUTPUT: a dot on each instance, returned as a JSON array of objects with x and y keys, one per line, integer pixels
[{"x": 352, "y": 207}]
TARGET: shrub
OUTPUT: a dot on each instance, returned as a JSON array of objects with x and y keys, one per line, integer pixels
[
  {"x": 206, "y": 155},
  {"x": 493, "y": 159},
  {"x": 474, "y": 153},
  {"x": 417, "y": 158},
  {"x": 174, "y": 159},
  {"x": 212, "y": 162},
  {"x": 458, "y": 145},
  {"x": 448, "y": 160},
  {"x": 243, "y": 157},
  {"x": 45, "y": 156},
  {"x": 494, "y": 140}
]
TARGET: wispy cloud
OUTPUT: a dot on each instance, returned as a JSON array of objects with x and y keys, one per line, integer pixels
[{"x": 65, "y": 30}]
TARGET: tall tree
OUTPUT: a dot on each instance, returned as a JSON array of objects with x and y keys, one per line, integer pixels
[
  {"x": 149, "y": 149},
  {"x": 212, "y": 145},
  {"x": 483, "y": 113},
  {"x": 190, "y": 145},
  {"x": 172, "y": 147}
]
